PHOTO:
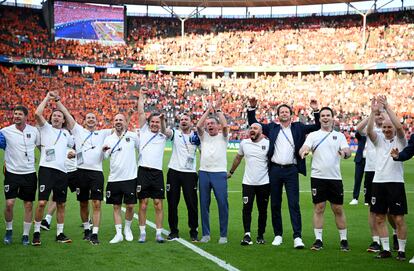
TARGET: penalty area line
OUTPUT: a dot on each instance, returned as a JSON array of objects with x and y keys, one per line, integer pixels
[{"x": 223, "y": 264}]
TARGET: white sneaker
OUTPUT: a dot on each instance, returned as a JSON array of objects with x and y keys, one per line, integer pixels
[
  {"x": 142, "y": 238},
  {"x": 222, "y": 240},
  {"x": 412, "y": 260},
  {"x": 117, "y": 239},
  {"x": 128, "y": 234},
  {"x": 205, "y": 239},
  {"x": 298, "y": 243},
  {"x": 277, "y": 241},
  {"x": 353, "y": 202}
]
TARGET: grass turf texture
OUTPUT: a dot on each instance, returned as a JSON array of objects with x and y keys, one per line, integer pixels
[{"x": 80, "y": 255}]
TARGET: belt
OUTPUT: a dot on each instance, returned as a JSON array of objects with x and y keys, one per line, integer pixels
[{"x": 283, "y": 166}]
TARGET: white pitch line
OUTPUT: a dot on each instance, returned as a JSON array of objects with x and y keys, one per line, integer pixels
[
  {"x": 194, "y": 248},
  {"x": 308, "y": 191}
]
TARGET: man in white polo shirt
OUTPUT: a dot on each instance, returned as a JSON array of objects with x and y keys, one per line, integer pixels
[
  {"x": 255, "y": 180},
  {"x": 388, "y": 192},
  {"x": 150, "y": 183},
  {"x": 120, "y": 148},
  {"x": 52, "y": 170},
  {"x": 182, "y": 173},
  {"x": 20, "y": 179},
  {"x": 328, "y": 147},
  {"x": 213, "y": 170},
  {"x": 89, "y": 142}
]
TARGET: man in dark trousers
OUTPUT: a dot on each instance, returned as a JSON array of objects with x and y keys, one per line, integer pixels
[
  {"x": 359, "y": 167},
  {"x": 285, "y": 163}
]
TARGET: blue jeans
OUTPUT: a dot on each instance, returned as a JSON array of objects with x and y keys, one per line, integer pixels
[{"x": 217, "y": 181}]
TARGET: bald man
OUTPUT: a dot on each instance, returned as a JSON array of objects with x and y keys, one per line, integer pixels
[{"x": 255, "y": 181}]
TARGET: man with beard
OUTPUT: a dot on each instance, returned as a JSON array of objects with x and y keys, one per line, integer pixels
[
  {"x": 150, "y": 182},
  {"x": 120, "y": 148},
  {"x": 285, "y": 164},
  {"x": 255, "y": 180},
  {"x": 52, "y": 170},
  {"x": 388, "y": 192},
  {"x": 328, "y": 147},
  {"x": 213, "y": 169},
  {"x": 182, "y": 174},
  {"x": 89, "y": 142},
  {"x": 20, "y": 179}
]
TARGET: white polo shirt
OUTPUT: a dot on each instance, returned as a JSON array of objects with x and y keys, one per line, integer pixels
[
  {"x": 284, "y": 153},
  {"x": 183, "y": 156},
  {"x": 213, "y": 153},
  {"x": 89, "y": 147},
  {"x": 256, "y": 169},
  {"x": 325, "y": 159},
  {"x": 151, "y": 148},
  {"x": 122, "y": 156},
  {"x": 371, "y": 153},
  {"x": 387, "y": 170},
  {"x": 19, "y": 153}
]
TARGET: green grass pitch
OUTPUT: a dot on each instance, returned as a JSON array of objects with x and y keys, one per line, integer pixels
[{"x": 80, "y": 255}]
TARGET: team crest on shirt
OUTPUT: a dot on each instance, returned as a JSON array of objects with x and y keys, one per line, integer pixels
[
  {"x": 138, "y": 188},
  {"x": 245, "y": 200},
  {"x": 167, "y": 187},
  {"x": 127, "y": 139},
  {"x": 29, "y": 135},
  {"x": 264, "y": 148},
  {"x": 42, "y": 188},
  {"x": 334, "y": 137},
  {"x": 373, "y": 200},
  {"x": 77, "y": 191},
  {"x": 6, "y": 188},
  {"x": 108, "y": 194},
  {"x": 314, "y": 191},
  {"x": 96, "y": 133}
]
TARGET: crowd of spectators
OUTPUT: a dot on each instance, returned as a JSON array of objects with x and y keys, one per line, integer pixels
[
  {"x": 225, "y": 42},
  {"x": 347, "y": 93}
]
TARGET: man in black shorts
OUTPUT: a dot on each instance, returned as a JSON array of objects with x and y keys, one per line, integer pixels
[
  {"x": 328, "y": 147},
  {"x": 150, "y": 183},
  {"x": 20, "y": 179}
]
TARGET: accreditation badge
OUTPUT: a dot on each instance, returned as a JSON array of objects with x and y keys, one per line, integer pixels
[
  {"x": 79, "y": 158},
  {"x": 189, "y": 163},
  {"x": 50, "y": 155}
]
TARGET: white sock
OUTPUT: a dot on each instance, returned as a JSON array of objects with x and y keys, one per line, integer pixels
[
  {"x": 401, "y": 245},
  {"x": 95, "y": 230},
  {"x": 142, "y": 229},
  {"x": 59, "y": 229},
  {"x": 318, "y": 233},
  {"x": 342, "y": 234},
  {"x": 128, "y": 224},
  {"x": 385, "y": 242},
  {"x": 26, "y": 228},
  {"x": 86, "y": 225},
  {"x": 37, "y": 226},
  {"x": 118, "y": 228},
  {"x": 247, "y": 233},
  {"x": 158, "y": 231},
  {"x": 376, "y": 239},
  {"x": 48, "y": 218},
  {"x": 9, "y": 225}
]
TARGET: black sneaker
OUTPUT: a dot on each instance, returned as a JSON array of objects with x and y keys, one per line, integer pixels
[
  {"x": 318, "y": 245},
  {"x": 87, "y": 235},
  {"x": 194, "y": 238},
  {"x": 36, "y": 239},
  {"x": 172, "y": 237},
  {"x": 246, "y": 240},
  {"x": 395, "y": 245},
  {"x": 374, "y": 247},
  {"x": 8, "y": 237},
  {"x": 344, "y": 245},
  {"x": 62, "y": 238},
  {"x": 94, "y": 239},
  {"x": 383, "y": 254},
  {"x": 260, "y": 240},
  {"x": 401, "y": 256},
  {"x": 25, "y": 240},
  {"x": 44, "y": 225}
]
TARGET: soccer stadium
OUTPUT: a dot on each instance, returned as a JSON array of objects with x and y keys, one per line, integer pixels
[{"x": 127, "y": 61}]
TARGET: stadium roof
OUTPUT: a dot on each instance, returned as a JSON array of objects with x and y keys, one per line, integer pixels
[{"x": 216, "y": 3}]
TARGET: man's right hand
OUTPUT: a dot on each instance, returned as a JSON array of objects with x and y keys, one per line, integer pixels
[
  {"x": 252, "y": 102},
  {"x": 105, "y": 148}
]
